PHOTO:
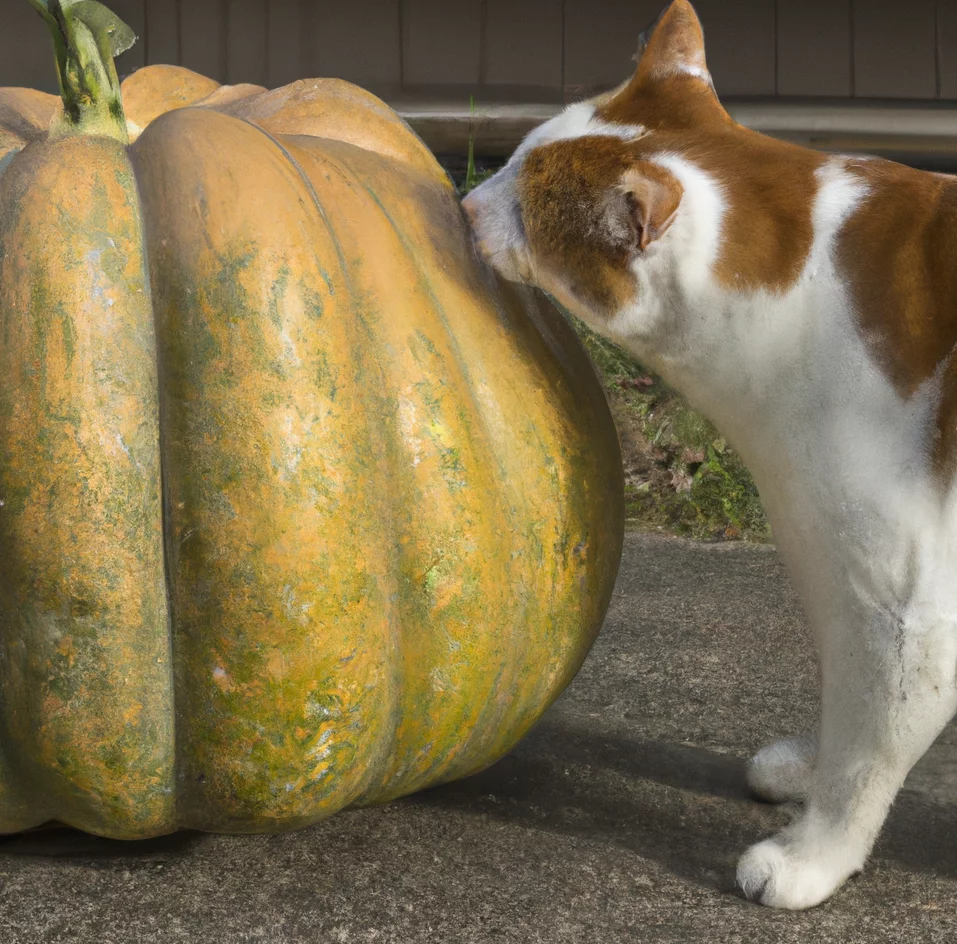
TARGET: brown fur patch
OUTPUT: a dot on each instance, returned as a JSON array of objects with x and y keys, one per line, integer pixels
[
  {"x": 769, "y": 189},
  {"x": 579, "y": 214},
  {"x": 898, "y": 253},
  {"x": 769, "y": 185}
]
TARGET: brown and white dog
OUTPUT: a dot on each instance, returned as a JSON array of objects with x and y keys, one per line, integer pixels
[{"x": 808, "y": 304}]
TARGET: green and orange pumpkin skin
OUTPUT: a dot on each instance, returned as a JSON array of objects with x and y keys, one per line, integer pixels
[{"x": 302, "y": 508}]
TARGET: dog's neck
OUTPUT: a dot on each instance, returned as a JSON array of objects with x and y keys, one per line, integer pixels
[{"x": 769, "y": 360}]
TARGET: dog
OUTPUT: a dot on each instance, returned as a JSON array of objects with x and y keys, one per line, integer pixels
[{"x": 808, "y": 304}]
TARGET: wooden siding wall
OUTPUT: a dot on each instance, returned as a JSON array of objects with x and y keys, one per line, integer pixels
[{"x": 543, "y": 50}]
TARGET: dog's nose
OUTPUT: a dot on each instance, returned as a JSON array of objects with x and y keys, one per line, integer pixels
[{"x": 470, "y": 205}]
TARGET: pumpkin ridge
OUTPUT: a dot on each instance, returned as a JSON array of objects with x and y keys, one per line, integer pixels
[
  {"x": 547, "y": 684},
  {"x": 374, "y": 793},
  {"x": 381, "y": 762},
  {"x": 83, "y": 594},
  {"x": 563, "y": 613},
  {"x": 25, "y": 115},
  {"x": 338, "y": 110},
  {"x": 155, "y": 89},
  {"x": 243, "y": 681},
  {"x": 411, "y": 775},
  {"x": 500, "y": 731},
  {"x": 510, "y": 660}
]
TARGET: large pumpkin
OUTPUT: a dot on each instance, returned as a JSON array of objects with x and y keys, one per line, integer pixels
[{"x": 301, "y": 507}]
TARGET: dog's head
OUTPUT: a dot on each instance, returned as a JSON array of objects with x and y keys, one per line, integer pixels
[{"x": 587, "y": 201}]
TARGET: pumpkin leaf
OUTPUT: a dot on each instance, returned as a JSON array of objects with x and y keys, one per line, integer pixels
[{"x": 101, "y": 21}]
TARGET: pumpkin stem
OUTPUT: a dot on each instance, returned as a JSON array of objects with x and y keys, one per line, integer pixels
[{"x": 86, "y": 37}]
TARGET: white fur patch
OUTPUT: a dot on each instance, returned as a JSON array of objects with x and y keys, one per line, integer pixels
[
  {"x": 685, "y": 68},
  {"x": 576, "y": 121},
  {"x": 691, "y": 245},
  {"x": 697, "y": 71}
]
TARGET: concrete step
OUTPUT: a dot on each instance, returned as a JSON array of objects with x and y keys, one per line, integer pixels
[{"x": 922, "y": 134}]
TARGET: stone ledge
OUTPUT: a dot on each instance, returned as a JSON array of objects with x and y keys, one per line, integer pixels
[{"x": 918, "y": 133}]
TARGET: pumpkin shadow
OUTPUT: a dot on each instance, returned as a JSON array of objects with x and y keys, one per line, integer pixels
[
  {"x": 683, "y": 806},
  {"x": 57, "y": 840}
]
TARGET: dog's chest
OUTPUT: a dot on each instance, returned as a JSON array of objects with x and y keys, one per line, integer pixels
[{"x": 840, "y": 447}]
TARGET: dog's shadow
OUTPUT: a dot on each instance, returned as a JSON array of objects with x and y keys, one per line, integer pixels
[{"x": 686, "y": 807}]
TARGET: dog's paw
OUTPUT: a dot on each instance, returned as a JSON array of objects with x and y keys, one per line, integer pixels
[
  {"x": 777, "y": 874},
  {"x": 782, "y": 771}
]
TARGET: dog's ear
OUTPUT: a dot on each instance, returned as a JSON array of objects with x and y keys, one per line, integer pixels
[
  {"x": 643, "y": 205},
  {"x": 673, "y": 45},
  {"x": 671, "y": 48}
]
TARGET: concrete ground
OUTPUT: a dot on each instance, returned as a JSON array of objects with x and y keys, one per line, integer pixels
[{"x": 618, "y": 819}]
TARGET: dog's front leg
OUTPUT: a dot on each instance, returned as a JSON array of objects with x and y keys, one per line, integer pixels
[{"x": 888, "y": 688}]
